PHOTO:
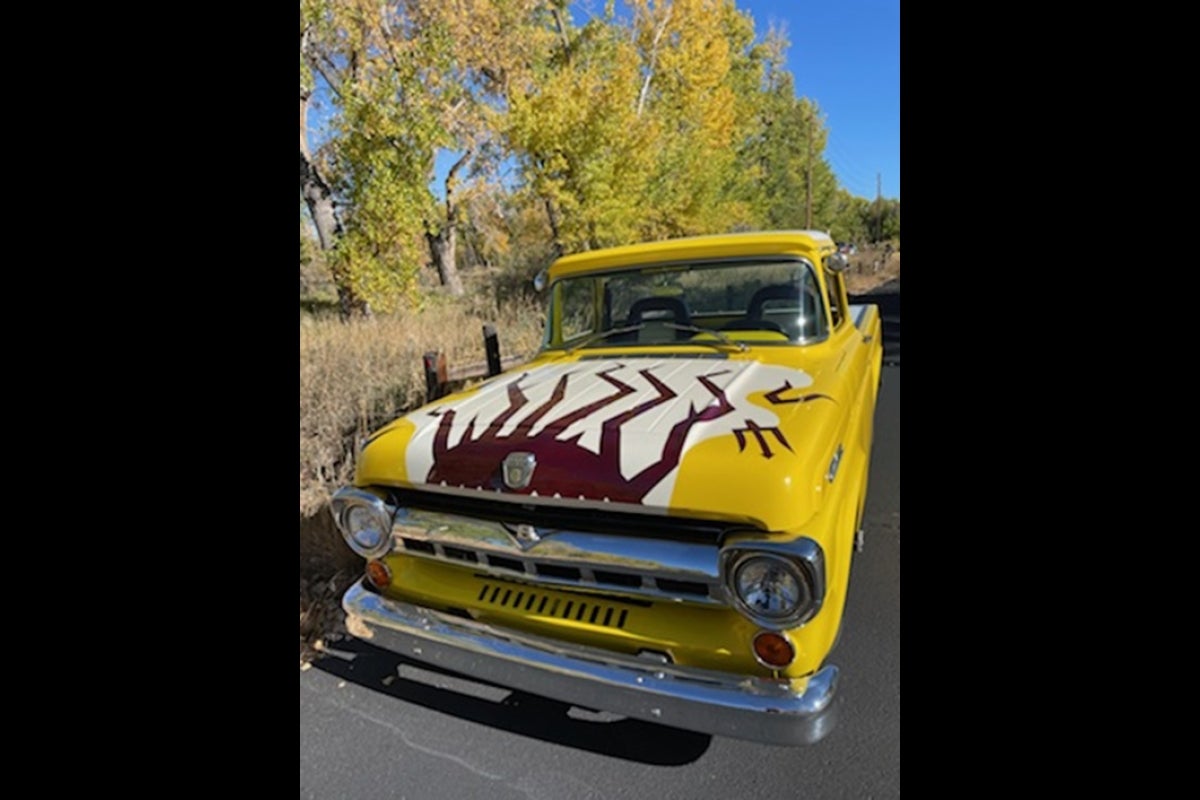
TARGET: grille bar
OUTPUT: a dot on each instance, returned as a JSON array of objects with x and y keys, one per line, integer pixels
[
  {"x": 621, "y": 523},
  {"x": 568, "y": 575}
]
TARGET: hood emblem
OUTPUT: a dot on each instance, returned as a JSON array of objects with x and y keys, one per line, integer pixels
[
  {"x": 527, "y": 536},
  {"x": 518, "y": 470},
  {"x": 524, "y": 535}
]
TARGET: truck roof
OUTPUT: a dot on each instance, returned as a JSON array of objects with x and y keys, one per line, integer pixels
[{"x": 813, "y": 244}]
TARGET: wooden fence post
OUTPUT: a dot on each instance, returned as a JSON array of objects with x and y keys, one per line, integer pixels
[
  {"x": 491, "y": 344},
  {"x": 435, "y": 375}
]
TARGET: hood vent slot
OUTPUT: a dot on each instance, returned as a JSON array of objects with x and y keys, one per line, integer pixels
[{"x": 593, "y": 613}]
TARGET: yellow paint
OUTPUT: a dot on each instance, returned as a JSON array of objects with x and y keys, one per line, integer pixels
[
  {"x": 787, "y": 495},
  {"x": 814, "y": 245},
  {"x": 693, "y": 635},
  {"x": 382, "y": 460}
]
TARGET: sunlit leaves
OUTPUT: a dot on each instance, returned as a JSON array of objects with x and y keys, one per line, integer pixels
[{"x": 673, "y": 119}]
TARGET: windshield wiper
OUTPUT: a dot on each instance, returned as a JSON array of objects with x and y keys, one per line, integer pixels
[
  {"x": 602, "y": 335},
  {"x": 694, "y": 329}
]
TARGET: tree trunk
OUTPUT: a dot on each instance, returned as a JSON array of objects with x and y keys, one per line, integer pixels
[
  {"x": 319, "y": 199},
  {"x": 443, "y": 247},
  {"x": 552, "y": 215}
]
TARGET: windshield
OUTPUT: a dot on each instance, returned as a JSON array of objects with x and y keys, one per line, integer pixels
[{"x": 776, "y": 302}]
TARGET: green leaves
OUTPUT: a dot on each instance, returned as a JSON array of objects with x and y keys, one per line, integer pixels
[{"x": 671, "y": 120}]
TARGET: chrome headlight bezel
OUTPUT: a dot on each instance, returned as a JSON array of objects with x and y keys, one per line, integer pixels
[
  {"x": 802, "y": 558},
  {"x": 349, "y": 505}
]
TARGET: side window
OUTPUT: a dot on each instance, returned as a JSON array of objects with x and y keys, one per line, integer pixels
[
  {"x": 837, "y": 298},
  {"x": 577, "y": 302}
]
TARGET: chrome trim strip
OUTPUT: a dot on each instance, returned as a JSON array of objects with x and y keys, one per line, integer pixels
[
  {"x": 859, "y": 311},
  {"x": 516, "y": 501},
  {"x": 834, "y": 463},
  {"x": 724, "y": 704},
  {"x": 494, "y": 543}
]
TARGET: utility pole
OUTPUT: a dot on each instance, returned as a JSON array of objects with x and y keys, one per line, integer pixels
[{"x": 808, "y": 179}]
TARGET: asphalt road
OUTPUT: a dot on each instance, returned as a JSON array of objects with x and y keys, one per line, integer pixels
[{"x": 375, "y": 725}]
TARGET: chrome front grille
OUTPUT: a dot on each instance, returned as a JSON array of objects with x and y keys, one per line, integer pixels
[{"x": 629, "y": 565}]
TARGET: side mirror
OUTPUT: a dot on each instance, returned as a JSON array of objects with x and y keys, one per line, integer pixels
[
  {"x": 540, "y": 280},
  {"x": 837, "y": 262}
]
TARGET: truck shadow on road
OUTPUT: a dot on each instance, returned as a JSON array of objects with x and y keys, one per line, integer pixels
[{"x": 524, "y": 714}]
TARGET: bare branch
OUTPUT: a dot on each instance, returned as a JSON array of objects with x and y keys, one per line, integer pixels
[
  {"x": 388, "y": 37},
  {"x": 653, "y": 59},
  {"x": 498, "y": 78},
  {"x": 327, "y": 70},
  {"x": 383, "y": 21},
  {"x": 562, "y": 32},
  {"x": 451, "y": 179},
  {"x": 305, "y": 91}
]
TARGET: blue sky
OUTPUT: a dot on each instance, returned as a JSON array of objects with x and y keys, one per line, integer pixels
[{"x": 845, "y": 56}]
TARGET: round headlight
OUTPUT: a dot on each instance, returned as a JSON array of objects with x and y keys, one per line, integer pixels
[
  {"x": 363, "y": 526},
  {"x": 365, "y": 522},
  {"x": 770, "y": 587}
]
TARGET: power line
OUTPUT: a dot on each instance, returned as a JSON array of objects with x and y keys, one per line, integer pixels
[
  {"x": 858, "y": 190},
  {"x": 852, "y": 167},
  {"x": 850, "y": 186},
  {"x": 832, "y": 144}
]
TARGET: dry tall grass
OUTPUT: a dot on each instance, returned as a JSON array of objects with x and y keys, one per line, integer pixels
[
  {"x": 356, "y": 376},
  {"x": 871, "y": 267}
]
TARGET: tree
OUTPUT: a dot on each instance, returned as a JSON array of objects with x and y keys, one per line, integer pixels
[
  {"x": 689, "y": 50},
  {"x": 851, "y": 217},
  {"x": 490, "y": 45},
  {"x": 383, "y": 64},
  {"x": 672, "y": 120},
  {"x": 786, "y": 146},
  {"x": 885, "y": 219},
  {"x": 315, "y": 187},
  {"x": 584, "y": 152}
]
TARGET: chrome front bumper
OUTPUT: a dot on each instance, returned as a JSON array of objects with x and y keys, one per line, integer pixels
[{"x": 718, "y": 703}]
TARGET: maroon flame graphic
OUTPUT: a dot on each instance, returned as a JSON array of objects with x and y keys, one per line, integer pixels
[{"x": 563, "y": 467}]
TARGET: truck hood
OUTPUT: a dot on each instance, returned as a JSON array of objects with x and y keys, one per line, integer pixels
[{"x": 714, "y": 438}]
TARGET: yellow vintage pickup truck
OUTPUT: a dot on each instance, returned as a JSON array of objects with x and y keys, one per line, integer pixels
[{"x": 656, "y": 515}]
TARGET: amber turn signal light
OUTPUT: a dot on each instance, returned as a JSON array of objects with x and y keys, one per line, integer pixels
[
  {"x": 378, "y": 574},
  {"x": 773, "y": 649}
]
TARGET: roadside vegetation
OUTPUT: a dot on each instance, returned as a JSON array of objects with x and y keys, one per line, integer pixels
[{"x": 355, "y": 376}]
